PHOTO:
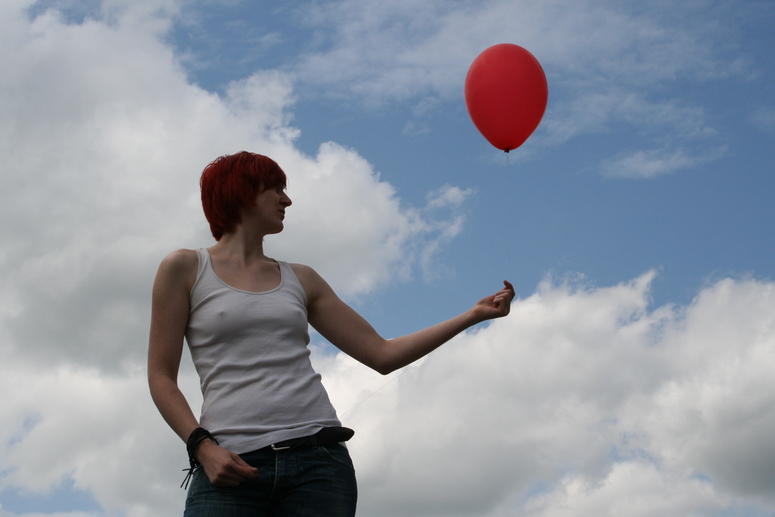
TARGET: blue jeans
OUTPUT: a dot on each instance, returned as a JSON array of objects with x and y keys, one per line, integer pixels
[{"x": 302, "y": 482}]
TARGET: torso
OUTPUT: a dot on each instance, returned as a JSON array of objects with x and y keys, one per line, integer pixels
[{"x": 249, "y": 345}]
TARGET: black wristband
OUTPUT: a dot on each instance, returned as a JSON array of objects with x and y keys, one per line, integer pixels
[{"x": 194, "y": 439}]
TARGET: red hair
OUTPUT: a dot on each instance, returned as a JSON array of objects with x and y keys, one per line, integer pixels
[{"x": 231, "y": 183}]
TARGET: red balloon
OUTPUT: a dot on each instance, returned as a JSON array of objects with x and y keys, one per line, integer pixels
[{"x": 506, "y": 95}]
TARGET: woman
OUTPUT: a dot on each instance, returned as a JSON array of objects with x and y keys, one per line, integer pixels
[{"x": 268, "y": 441}]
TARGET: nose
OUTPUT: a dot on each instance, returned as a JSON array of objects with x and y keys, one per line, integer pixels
[{"x": 285, "y": 199}]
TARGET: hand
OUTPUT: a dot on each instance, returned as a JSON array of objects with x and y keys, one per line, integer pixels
[
  {"x": 222, "y": 466},
  {"x": 495, "y": 306}
]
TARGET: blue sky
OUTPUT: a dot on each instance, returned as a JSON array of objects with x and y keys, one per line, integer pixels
[
  {"x": 551, "y": 208},
  {"x": 636, "y": 224}
]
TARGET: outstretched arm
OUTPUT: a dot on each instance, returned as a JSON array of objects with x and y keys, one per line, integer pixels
[
  {"x": 411, "y": 347},
  {"x": 351, "y": 333}
]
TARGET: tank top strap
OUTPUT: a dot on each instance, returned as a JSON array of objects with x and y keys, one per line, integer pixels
[
  {"x": 291, "y": 281},
  {"x": 204, "y": 258}
]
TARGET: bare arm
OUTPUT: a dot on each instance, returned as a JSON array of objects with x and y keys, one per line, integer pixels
[
  {"x": 351, "y": 333},
  {"x": 169, "y": 317}
]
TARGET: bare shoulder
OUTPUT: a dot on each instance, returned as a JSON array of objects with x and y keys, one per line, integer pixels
[
  {"x": 182, "y": 259},
  {"x": 303, "y": 271},
  {"x": 306, "y": 275},
  {"x": 182, "y": 255},
  {"x": 311, "y": 281},
  {"x": 180, "y": 266}
]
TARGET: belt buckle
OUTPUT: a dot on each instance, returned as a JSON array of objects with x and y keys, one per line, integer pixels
[{"x": 280, "y": 448}]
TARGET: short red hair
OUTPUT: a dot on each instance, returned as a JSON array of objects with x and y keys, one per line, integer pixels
[{"x": 231, "y": 183}]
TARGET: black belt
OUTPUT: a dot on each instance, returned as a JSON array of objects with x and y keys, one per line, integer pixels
[{"x": 326, "y": 436}]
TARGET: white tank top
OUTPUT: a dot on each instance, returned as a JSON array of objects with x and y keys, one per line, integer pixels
[{"x": 250, "y": 350}]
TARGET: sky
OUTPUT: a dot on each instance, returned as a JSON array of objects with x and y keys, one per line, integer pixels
[{"x": 634, "y": 373}]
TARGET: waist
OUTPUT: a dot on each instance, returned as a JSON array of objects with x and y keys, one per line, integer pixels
[{"x": 326, "y": 436}]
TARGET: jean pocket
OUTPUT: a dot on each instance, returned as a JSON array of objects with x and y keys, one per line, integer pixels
[{"x": 339, "y": 454}]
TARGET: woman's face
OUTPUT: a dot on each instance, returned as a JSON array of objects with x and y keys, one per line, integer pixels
[{"x": 269, "y": 207}]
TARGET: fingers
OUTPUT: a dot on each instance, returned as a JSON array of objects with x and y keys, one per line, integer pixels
[
  {"x": 228, "y": 469},
  {"x": 237, "y": 471},
  {"x": 508, "y": 289},
  {"x": 233, "y": 475},
  {"x": 251, "y": 472},
  {"x": 496, "y": 305},
  {"x": 502, "y": 299}
]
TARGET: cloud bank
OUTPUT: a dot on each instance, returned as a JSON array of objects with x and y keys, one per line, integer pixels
[{"x": 585, "y": 400}]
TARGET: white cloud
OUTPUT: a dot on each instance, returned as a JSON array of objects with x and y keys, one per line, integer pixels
[
  {"x": 104, "y": 156},
  {"x": 55, "y": 514},
  {"x": 656, "y": 162},
  {"x": 633, "y": 488},
  {"x": 610, "y": 67},
  {"x": 447, "y": 195},
  {"x": 101, "y": 431},
  {"x": 583, "y": 401},
  {"x": 763, "y": 118},
  {"x": 401, "y": 49},
  {"x": 725, "y": 352}
]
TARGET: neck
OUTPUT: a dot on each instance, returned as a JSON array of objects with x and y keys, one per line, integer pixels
[{"x": 244, "y": 246}]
